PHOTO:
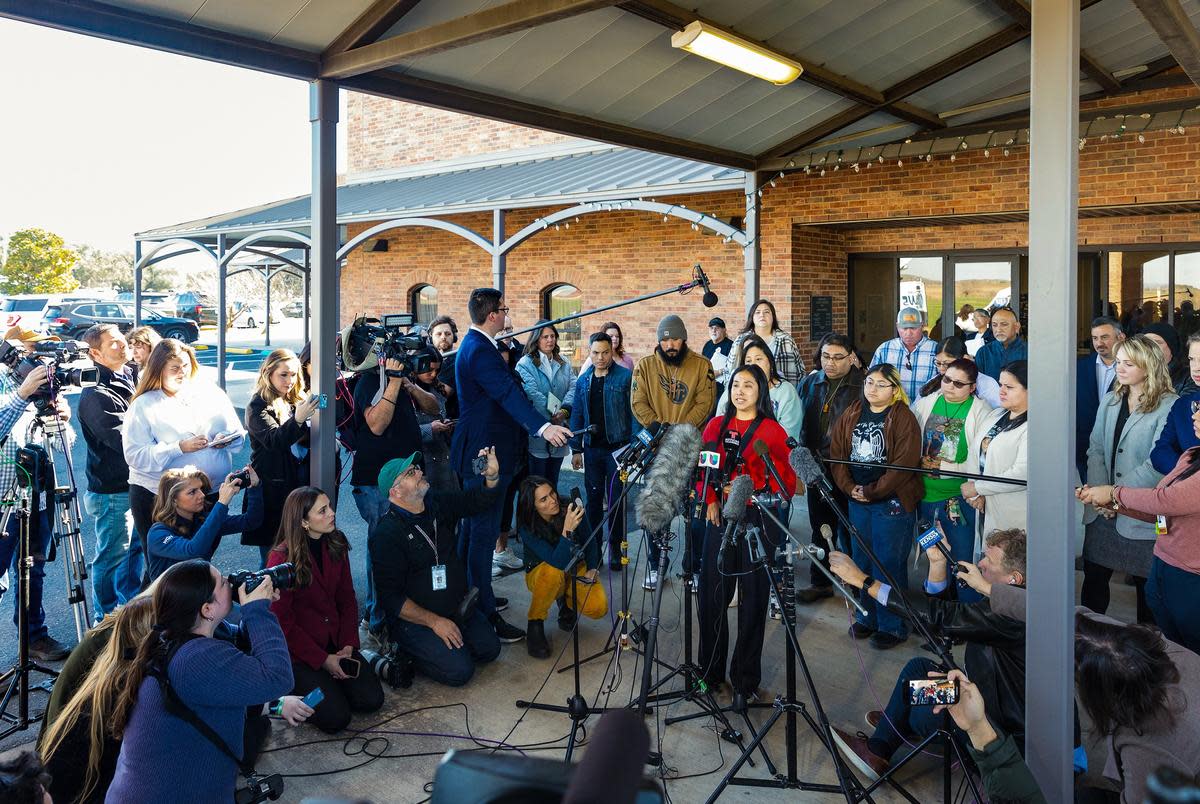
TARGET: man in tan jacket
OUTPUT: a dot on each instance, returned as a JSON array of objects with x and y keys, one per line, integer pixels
[{"x": 672, "y": 386}]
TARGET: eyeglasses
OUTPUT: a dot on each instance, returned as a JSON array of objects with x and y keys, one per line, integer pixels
[
  {"x": 908, "y": 363},
  {"x": 502, "y": 310},
  {"x": 879, "y": 385},
  {"x": 833, "y": 358},
  {"x": 942, "y": 365},
  {"x": 955, "y": 383}
]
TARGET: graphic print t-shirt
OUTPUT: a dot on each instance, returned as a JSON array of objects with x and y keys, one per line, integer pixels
[
  {"x": 868, "y": 446},
  {"x": 945, "y": 439}
]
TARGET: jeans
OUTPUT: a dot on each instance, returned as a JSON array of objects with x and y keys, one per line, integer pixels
[
  {"x": 372, "y": 505},
  {"x": 960, "y": 536},
  {"x": 141, "y": 505},
  {"x": 10, "y": 552},
  {"x": 363, "y": 693},
  {"x": 910, "y": 720},
  {"x": 888, "y": 529},
  {"x": 549, "y": 468},
  {"x": 1173, "y": 594},
  {"x": 820, "y": 513},
  {"x": 477, "y": 544},
  {"x": 117, "y": 566},
  {"x": 599, "y": 466},
  {"x": 451, "y": 666}
]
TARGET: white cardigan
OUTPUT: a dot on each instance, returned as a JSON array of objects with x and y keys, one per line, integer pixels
[
  {"x": 973, "y": 427},
  {"x": 155, "y": 424},
  {"x": 1005, "y": 504}
]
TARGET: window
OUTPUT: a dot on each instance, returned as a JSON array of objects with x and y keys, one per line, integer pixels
[
  {"x": 424, "y": 304},
  {"x": 559, "y": 301}
]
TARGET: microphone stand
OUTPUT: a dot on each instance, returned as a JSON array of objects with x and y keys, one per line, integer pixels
[
  {"x": 807, "y": 552},
  {"x": 1012, "y": 481}
]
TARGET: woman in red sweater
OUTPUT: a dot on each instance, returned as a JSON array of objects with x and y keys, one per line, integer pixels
[
  {"x": 319, "y": 615},
  {"x": 748, "y": 418}
]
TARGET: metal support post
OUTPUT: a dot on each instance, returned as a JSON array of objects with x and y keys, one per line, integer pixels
[
  {"x": 267, "y": 313},
  {"x": 222, "y": 309},
  {"x": 323, "y": 115},
  {"x": 137, "y": 283},
  {"x": 1053, "y": 282},
  {"x": 307, "y": 288},
  {"x": 752, "y": 251},
  {"x": 499, "y": 261}
]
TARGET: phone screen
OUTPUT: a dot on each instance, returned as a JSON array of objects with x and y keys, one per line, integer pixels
[
  {"x": 932, "y": 691},
  {"x": 349, "y": 667}
]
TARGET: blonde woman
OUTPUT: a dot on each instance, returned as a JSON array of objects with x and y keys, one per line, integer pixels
[
  {"x": 277, "y": 418},
  {"x": 175, "y": 419},
  {"x": 1128, "y": 422},
  {"x": 77, "y": 744},
  {"x": 186, "y": 525}
]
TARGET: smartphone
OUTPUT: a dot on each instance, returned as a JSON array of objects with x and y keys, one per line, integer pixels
[
  {"x": 349, "y": 667},
  {"x": 223, "y": 439},
  {"x": 313, "y": 698},
  {"x": 932, "y": 691}
]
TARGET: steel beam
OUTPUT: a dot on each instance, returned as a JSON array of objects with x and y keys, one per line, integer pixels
[
  {"x": 323, "y": 115},
  {"x": 1175, "y": 29},
  {"x": 222, "y": 309},
  {"x": 137, "y": 283},
  {"x": 499, "y": 253},
  {"x": 1053, "y": 282},
  {"x": 370, "y": 25}
]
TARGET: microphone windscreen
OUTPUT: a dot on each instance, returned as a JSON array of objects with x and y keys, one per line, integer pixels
[
  {"x": 666, "y": 482},
  {"x": 710, "y": 299},
  {"x": 805, "y": 466},
  {"x": 611, "y": 769},
  {"x": 740, "y": 491}
]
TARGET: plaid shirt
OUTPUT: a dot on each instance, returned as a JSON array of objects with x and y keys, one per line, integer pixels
[
  {"x": 916, "y": 368},
  {"x": 16, "y": 416},
  {"x": 788, "y": 363}
]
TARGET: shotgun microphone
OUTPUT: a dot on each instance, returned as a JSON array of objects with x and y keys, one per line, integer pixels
[
  {"x": 807, "y": 469},
  {"x": 740, "y": 491},
  {"x": 667, "y": 480}
]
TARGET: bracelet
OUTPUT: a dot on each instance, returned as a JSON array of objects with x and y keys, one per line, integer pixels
[
  {"x": 1113, "y": 498},
  {"x": 385, "y": 399},
  {"x": 491, "y": 478}
]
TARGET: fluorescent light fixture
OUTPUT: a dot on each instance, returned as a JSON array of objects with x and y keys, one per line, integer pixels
[{"x": 725, "y": 48}]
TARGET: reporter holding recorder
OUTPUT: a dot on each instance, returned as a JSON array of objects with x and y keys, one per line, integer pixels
[
  {"x": 187, "y": 526},
  {"x": 319, "y": 615},
  {"x": 162, "y": 755}
]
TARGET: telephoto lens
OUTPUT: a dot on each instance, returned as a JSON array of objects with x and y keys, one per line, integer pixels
[
  {"x": 282, "y": 575},
  {"x": 393, "y": 669}
]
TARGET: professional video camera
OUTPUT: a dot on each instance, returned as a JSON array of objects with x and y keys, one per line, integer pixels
[
  {"x": 393, "y": 668},
  {"x": 54, "y": 355},
  {"x": 369, "y": 341},
  {"x": 282, "y": 575}
]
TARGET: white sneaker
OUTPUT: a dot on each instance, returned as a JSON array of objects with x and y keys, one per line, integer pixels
[
  {"x": 497, "y": 570},
  {"x": 507, "y": 559},
  {"x": 651, "y": 582},
  {"x": 734, "y": 600}
]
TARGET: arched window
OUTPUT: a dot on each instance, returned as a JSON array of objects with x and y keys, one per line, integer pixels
[
  {"x": 560, "y": 300},
  {"x": 424, "y": 303}
]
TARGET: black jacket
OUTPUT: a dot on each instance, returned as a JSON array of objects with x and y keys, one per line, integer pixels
[
  {"x": 995, "y": 653},
  {"x": 813, "y": 389},
  {"x": 101, "y": 413},
  {"x": 278, "y": 469}
]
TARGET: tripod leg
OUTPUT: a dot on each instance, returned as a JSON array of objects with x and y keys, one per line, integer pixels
[{"x": 737, "y": 765}]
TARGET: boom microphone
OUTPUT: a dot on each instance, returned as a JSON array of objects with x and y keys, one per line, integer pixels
[
  {"x": 740, "y": 492},
  {"x": 807, "y": 469},
  {"x": 666, "y": 482},
  {"x": 710, "y": 298},
  {"x": 764, "y": 452}
]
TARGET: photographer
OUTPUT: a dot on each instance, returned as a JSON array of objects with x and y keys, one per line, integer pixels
[
  {"x": 421, "y": 582},
  {"x": 435, "y": 427},
  {"x": 319, "y": 616},
  {"x": 18, "y": 417},
  {"x": 995, "y": 652},
  {"x": 186, "y": 525},
  {"x": 162, "y": 754},
  {"x": 117, "y": 567}
]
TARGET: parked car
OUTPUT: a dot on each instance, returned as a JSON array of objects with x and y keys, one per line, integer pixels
[
  {"x": 294, "y": 309},
  {"x": 73, "y": 319},
  {"x": 28, "y": 309},
  {"x": 197, "y": 306},
  {"x": 249, "y": 315},
  {"x": 161, "y": 302}
]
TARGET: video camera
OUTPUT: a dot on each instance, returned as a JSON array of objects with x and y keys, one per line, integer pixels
[
  {"x": 368, "y": 342},
  {"x": 54, "y": 355},
  {"x": 282, "y": 575}
]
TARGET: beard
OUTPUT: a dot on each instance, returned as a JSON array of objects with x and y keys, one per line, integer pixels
[{"x": 677, "y": 359}]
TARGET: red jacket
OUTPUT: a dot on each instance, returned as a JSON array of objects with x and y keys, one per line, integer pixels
[
  {"x": 323, "y": 613},
  {"x": 771, "y": 434}
]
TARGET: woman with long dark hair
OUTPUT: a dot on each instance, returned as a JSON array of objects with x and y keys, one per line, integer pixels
[
  {"x": 613, "y": 330},
  {"x": 785, "y": 401},
  {"x": 319, "y": 615},
  {"x": 879, "y": 429},
  {"x": 162, "y": 755},
  {"x": 549, "y": 382},
  {"x": 551, "y": 534},
  {"x": 748, "y": 419},
  {"x": 277, "y": 419},
  {"x": 764, "y": 322}
]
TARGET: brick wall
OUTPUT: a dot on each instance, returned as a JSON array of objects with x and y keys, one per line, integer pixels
[{"x": 383, "y": 134}]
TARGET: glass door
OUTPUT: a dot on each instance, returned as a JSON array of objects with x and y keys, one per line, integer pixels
[{"x": 975, "y": 282}]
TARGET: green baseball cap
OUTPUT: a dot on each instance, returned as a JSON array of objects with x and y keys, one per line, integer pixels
[{"x": 393, "y": 469}]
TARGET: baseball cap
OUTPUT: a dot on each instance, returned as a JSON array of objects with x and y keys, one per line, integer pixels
[
  {"x": 909, "y": 318},
  {"x": 393, "y": 469},
  {"x": 717, "y": 322}
]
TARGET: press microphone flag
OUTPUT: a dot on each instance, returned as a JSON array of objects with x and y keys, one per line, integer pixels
[{"x": 666, "y": 482}]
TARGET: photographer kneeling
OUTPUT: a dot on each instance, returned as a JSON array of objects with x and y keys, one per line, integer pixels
[
  {"x": 995, "y": 652},
  {"x": 187, "y": 526},
  {"x": 319, "y": 615},
  {"x": 163, "y": 756},
  {"x": 420, "y": 582}
]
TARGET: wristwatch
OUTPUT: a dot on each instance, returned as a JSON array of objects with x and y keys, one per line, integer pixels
[{"x": 867, "y": 582}]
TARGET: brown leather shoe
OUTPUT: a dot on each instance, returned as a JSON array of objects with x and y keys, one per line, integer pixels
[
  {"x": 854, "y": 749},
  {"x": 874, "y": 718}
]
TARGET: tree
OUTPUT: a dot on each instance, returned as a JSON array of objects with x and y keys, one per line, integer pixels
[
  {"x": 103, "y": 270},
  {"x": 37, "y": 262}
]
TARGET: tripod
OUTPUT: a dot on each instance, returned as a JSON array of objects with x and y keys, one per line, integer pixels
[
  {"x": 17, "y": 677},
  {"x": 66, "y": 520}
]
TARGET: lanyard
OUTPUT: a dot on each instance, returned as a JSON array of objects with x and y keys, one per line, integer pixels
[{"x": 432, "y": 544}]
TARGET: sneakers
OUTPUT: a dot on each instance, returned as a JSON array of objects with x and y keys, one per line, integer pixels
[
  {"x": 854, "y": 749},
  {"x": 651, "y": 582},
  {"x": 537, "y": 644},
  {"x": 506, "y": 560},
  {"x": 501, "y": 603},
  {"x": 48, "y": 649},
  {"x": 505, "y": 632},
  {"x": 371, "y": 640}
]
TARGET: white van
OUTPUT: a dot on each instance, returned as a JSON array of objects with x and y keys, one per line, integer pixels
[{"x": 28, "y": 309}]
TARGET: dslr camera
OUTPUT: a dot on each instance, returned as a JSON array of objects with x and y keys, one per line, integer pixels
[
  {"x": 259, "y": 788},
  {"x": 393, "y": 668},
  {"x": 55, "y": 356},
  {"x": 368, "y": 342},
  {"x": 282, "y": 575},
  {"x": 242, "y": 476}
]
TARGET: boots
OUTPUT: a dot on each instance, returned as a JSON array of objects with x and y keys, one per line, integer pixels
[
  {"x": 566, "y": 615},
  {"x": 535, "y": 640}
]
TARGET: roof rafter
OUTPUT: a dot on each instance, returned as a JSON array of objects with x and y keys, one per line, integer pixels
[
  {"x": 1175, "y": 29},
  {"x": 1018, "y": 11},
  {"x": 373, "y": 23}
]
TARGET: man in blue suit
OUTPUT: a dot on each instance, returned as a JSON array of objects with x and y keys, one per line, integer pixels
[
  {"x": 1094, "y": 376},
  {"x": 492, "y": 410}
]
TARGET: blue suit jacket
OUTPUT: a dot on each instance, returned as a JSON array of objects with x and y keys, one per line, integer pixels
[
  {"x": 491, "y": 407},
  {"x": 1087, "y": 400}
]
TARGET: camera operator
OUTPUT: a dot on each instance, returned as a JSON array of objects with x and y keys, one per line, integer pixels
[
  {"x": 319, "y": 616},
  {"x": 17, "y": 417},
  {"x": 117, "y": 567},
  {"x": 421, "y": 582},
  {"x": 995, "y": 652},
  {"x": 186, "y": 525},
  {"x": 162, "y": 757}
]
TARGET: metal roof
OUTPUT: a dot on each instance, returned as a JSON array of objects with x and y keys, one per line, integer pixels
[{"x": 609, "y": 173}]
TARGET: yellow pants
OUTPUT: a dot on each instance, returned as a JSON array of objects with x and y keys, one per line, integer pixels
[{"x": 548, "y": 584}]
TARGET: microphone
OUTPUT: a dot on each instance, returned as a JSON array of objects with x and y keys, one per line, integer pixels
[
  {"x": 667, "y": 480},
  {"x": 710, "y": 298},
  {"x": 611, "y": 768},
  {"x": 827, "y": 535},
  {"x": 764, "y": 452},
  {"x": 645, "y": 440},
  {"x": 807, "y": 469},
  {"x": 932, "y": 537},
  {"x": 740, "y": 492},
  {"x": 710, "y": 461}
]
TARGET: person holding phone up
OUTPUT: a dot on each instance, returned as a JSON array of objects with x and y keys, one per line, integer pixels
[{"x": 319, "y": 615}]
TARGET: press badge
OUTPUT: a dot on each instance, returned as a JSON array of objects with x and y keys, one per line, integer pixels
[
  {"x": 439, "y": 577},
  {"x": 1160, "y": 525}
]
